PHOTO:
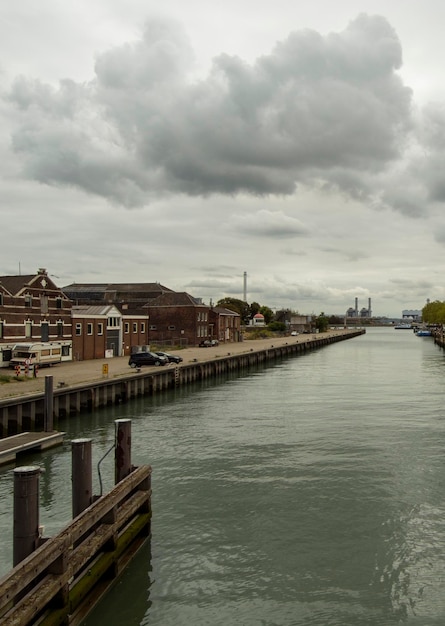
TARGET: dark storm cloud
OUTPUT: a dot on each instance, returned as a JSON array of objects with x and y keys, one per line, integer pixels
[{"x": 316, "y": 110}]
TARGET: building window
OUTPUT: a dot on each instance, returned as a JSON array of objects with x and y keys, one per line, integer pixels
[
  {"x": 142, "y": 327},
  {"x": 2, "y": 329},
  {"x": 28, "y": 329},
  {"x": 60, "y": 328},
  {"x": 89, "y": 328},
  {"x": 113, "y": 322},
  {"x": 135, "y": 327},
  {"x": 44, "y": 331},
  {"x": 127, "y": 328},
  {"x": 1, "y": 299},
  {"x": 171, "y": 327},
  {"x": 152, "y": 326},
  {"x": 43, "y": 303},
  {"x": 58, "y": 303},
  {"x": 100, "y": 328},
  {"x": 28, "y": 301},
  {"x": 78, "y": 329}
]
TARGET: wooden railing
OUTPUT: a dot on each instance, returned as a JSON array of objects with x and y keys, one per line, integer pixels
[{"x": 72, "y": 570}]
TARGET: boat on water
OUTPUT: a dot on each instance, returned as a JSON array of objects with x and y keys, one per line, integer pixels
[
  {"x": 424, "y": 333},
  {"x": 403, "y": 327}
]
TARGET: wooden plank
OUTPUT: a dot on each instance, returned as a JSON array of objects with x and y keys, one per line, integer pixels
[
  {"x": 23, "y": 574},
  {"x": 13, "y": 584},
  {"x": 97, "y": 511}
]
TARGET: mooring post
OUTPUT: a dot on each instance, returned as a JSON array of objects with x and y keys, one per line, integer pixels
[
  {"x": 122, "y": 462},
  {"x": 82, "y": 475},
  {"x": 49, "y": 399},
  {"x": 26, "y": 512}
]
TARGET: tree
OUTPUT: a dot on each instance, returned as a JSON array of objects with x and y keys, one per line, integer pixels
[
  {"x": 254, "y": 308},
  {"x": 434, "y": 312},
  {"x": 322, "y": 323},
  {"x": 268, "y": 314},
  {"x": 239, "y": 306}
]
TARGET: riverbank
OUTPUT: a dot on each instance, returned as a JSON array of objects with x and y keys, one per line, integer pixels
[{"x": 78, "y": 372}]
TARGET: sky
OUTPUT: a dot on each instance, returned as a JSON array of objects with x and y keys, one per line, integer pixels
[{"x": 301, "y": 143}]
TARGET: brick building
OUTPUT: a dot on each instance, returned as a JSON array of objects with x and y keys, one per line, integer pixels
[
  {"x": 103, "y": 330},
  {"x": 132, "y": 295},
  {"x": 226, "y": 324},
  {"x": 33, "y": 308},
  {"x": 177, "y": 318}
]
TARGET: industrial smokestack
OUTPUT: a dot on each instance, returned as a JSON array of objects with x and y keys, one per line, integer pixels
[
  {"x": 369, "y": 308},
  {"x": 245, "y": 286},
  {"x": 356, "y": 307}
]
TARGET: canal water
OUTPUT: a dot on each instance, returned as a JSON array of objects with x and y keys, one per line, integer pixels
[{"x": 307, "y": 493}]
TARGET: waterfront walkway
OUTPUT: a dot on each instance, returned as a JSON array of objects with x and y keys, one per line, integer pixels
[{"x": 77, "y": 372}]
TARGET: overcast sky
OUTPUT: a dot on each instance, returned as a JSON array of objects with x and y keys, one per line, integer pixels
[{"x": 301, "y": 143}]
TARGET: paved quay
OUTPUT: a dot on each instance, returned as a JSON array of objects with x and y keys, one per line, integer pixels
[{"x": 78, "y": 372}]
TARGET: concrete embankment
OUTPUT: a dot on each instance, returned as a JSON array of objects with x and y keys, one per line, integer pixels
[{"x": 83, "y": 386}]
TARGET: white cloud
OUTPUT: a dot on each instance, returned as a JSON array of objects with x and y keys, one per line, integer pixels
[{"x": 297, "y": 147}]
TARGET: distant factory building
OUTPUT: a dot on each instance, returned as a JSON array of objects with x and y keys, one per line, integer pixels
[
  {"x": 364, "y": 312},
  {"x": 412, "y": 314}
]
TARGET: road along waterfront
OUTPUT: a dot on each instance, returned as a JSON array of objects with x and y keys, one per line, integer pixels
[
  {"x": 29, "y": 412},
  {"x": 78, "y": 372},
  {"x": 305, "y": 493}
]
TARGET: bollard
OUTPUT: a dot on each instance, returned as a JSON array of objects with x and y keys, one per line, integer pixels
[
  {"x": 122, "y": 459},
  {"x": 48, "y": 417},
  {"x": 26, "y": 512},
  {"x": 82, "y": 475}
]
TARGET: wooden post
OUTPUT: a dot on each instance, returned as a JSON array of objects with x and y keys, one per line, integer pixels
[
  {"x": 122, "y": 463},
  {"x": 49, "y": 398},
  {"x": 26, "y": 511},
  {"x": 82, "y": 475}
]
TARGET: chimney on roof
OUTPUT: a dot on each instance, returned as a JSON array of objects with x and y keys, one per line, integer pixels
[{"x": 42, "y": 271}]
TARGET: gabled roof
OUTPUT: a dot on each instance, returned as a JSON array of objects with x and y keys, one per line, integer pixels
[
  {"x": 18, "y": 285},
  {"x": 14, "y": 284},
  {"x": 175, "y": 298},
  {"x": 223, "y": 311},
  {"x": 95, "y": 310},
  {"x": 132, "y": 311}
]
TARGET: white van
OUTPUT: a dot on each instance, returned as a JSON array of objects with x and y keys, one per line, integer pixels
[{"x": 26, "y": 354}]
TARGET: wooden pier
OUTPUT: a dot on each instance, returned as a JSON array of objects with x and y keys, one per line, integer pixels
[
  {"x": 58, "y": 580},
  {"x": 11, "y": 447},
  {"x": 68, "y": 573}
]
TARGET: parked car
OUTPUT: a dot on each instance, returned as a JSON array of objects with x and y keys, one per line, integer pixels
[
  {"x": 294, "y": 333},
  {"x": 208, "y": 343},
  {"x": 146, "y": 358},
  {"x": 172, "y": 358}
]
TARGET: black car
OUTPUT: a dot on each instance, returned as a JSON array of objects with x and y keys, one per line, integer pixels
[
  {"x": 146, "y": 358},
  {"x": 172, "y": 358}
]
